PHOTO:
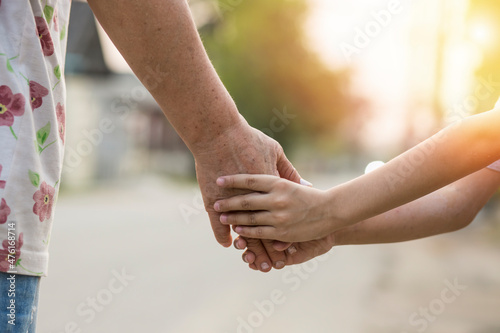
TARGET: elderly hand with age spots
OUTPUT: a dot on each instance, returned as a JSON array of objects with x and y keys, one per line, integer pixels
[{"x": 241, "y": 149}]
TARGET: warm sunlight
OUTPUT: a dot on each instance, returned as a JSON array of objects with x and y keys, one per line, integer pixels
[{"x": 482, "y": 32}]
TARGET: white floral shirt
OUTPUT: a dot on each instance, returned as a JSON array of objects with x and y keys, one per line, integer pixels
[{"x": 32, "y": 117}]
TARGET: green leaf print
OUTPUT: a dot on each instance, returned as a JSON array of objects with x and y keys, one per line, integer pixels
[
  {"x": 63, "y": 32},
  {"x": 48, "y": 12},
  {"x": 57, "y": 72},
  {"x": 34, "y": 178},
  {"x": 9, "y": 66},
  {"x": 43, "y": 134}
]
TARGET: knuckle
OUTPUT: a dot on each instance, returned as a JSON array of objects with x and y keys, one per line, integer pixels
[
  {"x": 281, "y": 185},
  {"x": 280, "y": 203},
  {"x": 259, "y": 232},
  {"x": 252, "y": 219},
  {"x": 245, "y": 204},
  {"x": 251, "y": 182},
  {"x": 281, "y": 218}
]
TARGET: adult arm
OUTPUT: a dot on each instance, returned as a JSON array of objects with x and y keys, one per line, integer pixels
[{"x": 158, "y": 39}]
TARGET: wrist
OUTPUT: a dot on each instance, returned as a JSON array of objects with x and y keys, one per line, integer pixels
[
  {"x": 217, "y": 135},
  {"x": 338, "y": 211}
]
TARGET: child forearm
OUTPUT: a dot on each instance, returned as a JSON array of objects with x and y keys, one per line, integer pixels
[
  {"x": 293, "y": 213},
  {"x": 447, "y": 209},
  {"x": 453, "y": 153}
]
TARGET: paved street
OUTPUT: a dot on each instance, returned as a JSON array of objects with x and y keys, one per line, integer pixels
[{"x": 125, "y": 259}]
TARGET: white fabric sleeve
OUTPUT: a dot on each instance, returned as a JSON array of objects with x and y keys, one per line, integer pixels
[{"x": 495, "y": 166}]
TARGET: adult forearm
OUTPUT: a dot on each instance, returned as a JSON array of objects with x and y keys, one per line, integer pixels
[
  {"x": 453, "y": 153},
  {"x": 159, "y": 40},
  {"x": 445, "y": 210}
]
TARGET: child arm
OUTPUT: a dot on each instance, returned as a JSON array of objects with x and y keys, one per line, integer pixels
[
  {"x": 290, "y": 212},
  {"x": 448, "y": 209}
]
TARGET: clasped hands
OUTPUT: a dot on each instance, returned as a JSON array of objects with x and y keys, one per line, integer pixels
[{"x": 260, "y": 205}]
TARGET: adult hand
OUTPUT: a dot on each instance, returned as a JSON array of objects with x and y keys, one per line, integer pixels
[
  {"x": 240, "y": 149},
  {"x": 296, "y": 253}
]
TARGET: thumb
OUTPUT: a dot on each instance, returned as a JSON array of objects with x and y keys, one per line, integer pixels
[
  {"x": 286, "y": 169},
  {"x": 222, "y": 232}
]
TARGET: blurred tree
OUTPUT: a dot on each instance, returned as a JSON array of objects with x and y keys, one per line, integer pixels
[
  {"x": 485, "y": 14},
  {"x": 258, "y": 48}
]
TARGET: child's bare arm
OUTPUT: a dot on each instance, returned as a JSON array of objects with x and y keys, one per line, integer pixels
[
  {"x": 448, "y": 209},
  {"x": 290, "y": 212}
]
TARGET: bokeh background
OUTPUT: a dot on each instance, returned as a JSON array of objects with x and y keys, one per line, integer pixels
[{"x": 338, "y": 84}]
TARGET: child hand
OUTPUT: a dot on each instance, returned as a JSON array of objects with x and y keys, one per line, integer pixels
[{"x": 278, "y": 209}]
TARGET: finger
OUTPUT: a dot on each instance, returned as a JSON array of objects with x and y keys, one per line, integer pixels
[
  {"x": 261, "y": 232},
  {"x": 240, "y": 243},
  {"x": 280, "y": 246},
  {"x": 222, "y": 232},
  {"x": 278, "y": 258},
  {"x": 286, "y": 169},
  {"x": 249, "y": 257},
  {"x": 246, "y": 218},
  {"x": 252, "y": 201},
  {"x": 257, "y": 183},
  {"x": 262, "y": 261}
]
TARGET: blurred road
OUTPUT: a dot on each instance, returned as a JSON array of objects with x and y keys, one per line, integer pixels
[{"x": 124, "y": 258}]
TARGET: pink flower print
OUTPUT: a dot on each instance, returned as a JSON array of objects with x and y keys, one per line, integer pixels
[
  {"x": 10, "y": 105},
  {"x": 4, "y": 211},
  {"x": 44, "y": 199},
  {"x": 2, "y": 182},
  {"x": 37, "y": 92},
  {"x": 44, "y": 35},
  {"x": 55, "y": 20},
  {"x": 61, "y": 121},
  {"x": 4, "y": 253}
]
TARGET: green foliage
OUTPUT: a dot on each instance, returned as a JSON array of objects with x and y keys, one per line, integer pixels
[{"x": 258, "y": 48}]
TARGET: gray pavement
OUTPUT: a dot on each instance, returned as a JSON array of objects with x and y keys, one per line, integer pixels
[{"x": 139, "y": 256}]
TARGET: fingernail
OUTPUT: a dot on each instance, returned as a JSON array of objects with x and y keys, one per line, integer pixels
[
  {"x": 280, "y": 264},
  {"x": 291, "y": 250},
  {"x": 220, "y": 181},
  {"x": 217, "y": 206},
  {"x": 238, "y": 229},
  {"x": 264, "y": 266},
  {"x": 245, "y": 258},
  {"x": 305, "y": 182},
  {"x": 223, "y": 218}
]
